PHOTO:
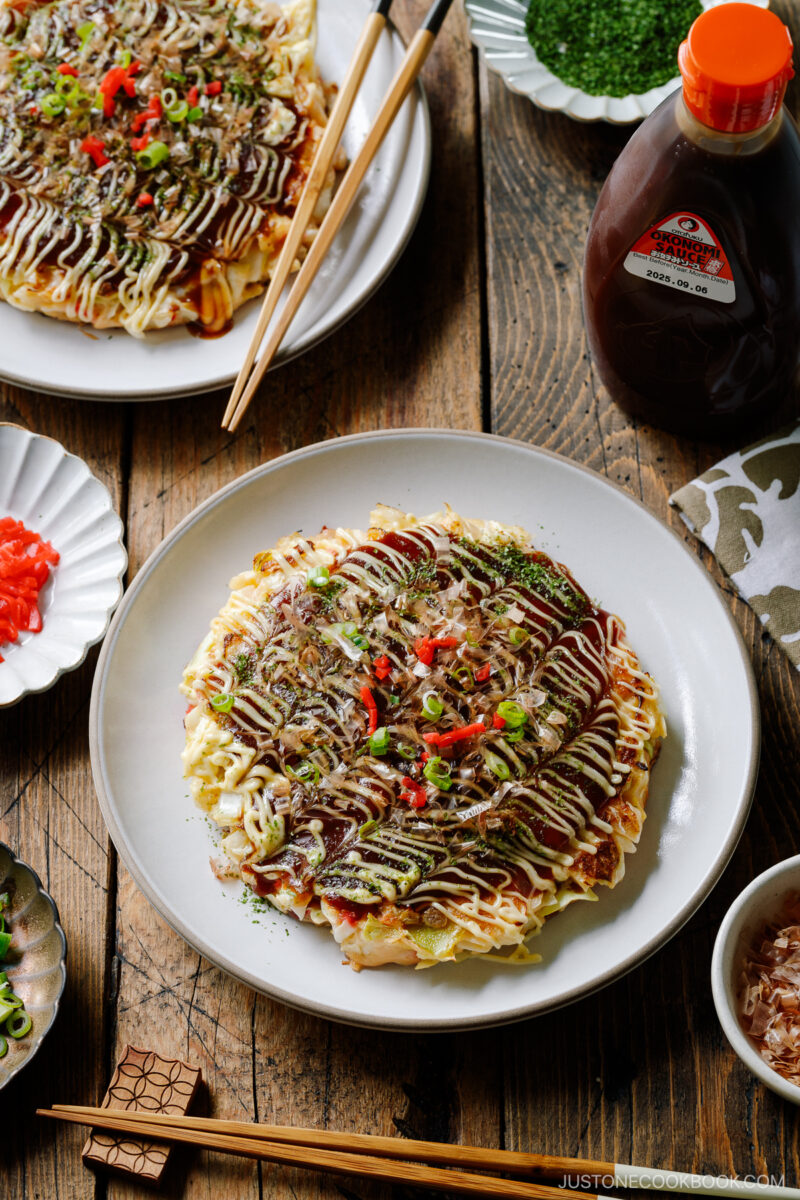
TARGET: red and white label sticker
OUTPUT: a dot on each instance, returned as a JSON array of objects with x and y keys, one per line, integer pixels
[{"x": 682, "y": 252}]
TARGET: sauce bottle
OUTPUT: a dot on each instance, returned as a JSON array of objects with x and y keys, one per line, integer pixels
[{"x": 692, "y": 269}]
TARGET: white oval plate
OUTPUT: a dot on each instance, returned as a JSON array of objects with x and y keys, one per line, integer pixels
[
  {"x": 62, "y": 359},
  {"x": 55, "y": 494},
  {"x": 625, "y": 557},
  {"x": 497, "y": 27}
]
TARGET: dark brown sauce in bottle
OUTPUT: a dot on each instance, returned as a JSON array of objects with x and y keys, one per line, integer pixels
[
  {"x": 692, "y": 271},
  {"x": 680, "y": 358}
]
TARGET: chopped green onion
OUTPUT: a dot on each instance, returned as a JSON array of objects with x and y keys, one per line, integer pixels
[
  {"x": 3, "y": 1046},
  {"x": 194, "y": 114},
  {"x": 223, "y": 703},
  {"x": 463, "y": 674},
  {"x": 367, "y": 828},
  {"x": 127, "y": 58},
  {"x": 78, "y": 98},
  {"x": 513, "y": 714},
  {"x": 18, "y": 1025},
  {"x": 169, "y": 98},
  {"x": 406, "y": 751},
  {"x": 67, "y": 86},
  {"x": 317, "y": 576},
  {"x": 351, "y": 632},
  {"x": 379, "y": 741},
  {"x": 394, "y": 699},
  {"x": 438, "y": 772},
  {"x": 305, "y": 772},
  {"x": 5, "y": 942},
  {"x": 516, "y": 735},
  {"x": 84, "y": 32},
  {"x": 52, "y": 105},
  {"x": 175, "y": 77},
  {"x": 470, "y": 638},
  {"x": 178, "y": 112},
  {"x": 498, "y": 766},
  {"x": 152, "y": 155},
  {"x": 432, "y": 706},
  {"x": 517, "y": 636}
]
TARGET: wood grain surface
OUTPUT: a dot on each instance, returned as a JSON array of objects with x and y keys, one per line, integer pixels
[{"x": 479, "y": 326}]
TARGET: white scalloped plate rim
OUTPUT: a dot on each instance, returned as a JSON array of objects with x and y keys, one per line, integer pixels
[
  {"x": 497, "y": 28},
  {"x": 88, "y": 534}
]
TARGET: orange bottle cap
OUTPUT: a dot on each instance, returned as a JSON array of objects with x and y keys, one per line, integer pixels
[{"x": 735, "y": 63}]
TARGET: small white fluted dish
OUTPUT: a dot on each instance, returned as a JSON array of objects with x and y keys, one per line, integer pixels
[
  {"x": 55, "y": 494},
  {"x": 497, "y": 28},
  {"x": 758, "y": 904}
]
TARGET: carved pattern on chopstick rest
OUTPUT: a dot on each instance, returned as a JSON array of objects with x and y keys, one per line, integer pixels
[{"x": 144, "y": 1082}]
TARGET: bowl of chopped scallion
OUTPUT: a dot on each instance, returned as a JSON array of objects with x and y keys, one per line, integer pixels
[
  {"x": 33, "y": 953},
  {"x": 595, "y": 60}
]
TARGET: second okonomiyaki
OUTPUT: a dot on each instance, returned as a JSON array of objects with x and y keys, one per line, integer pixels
[
  {"x": 426, "y": 737},
  {"x": 152, "y": 154}
]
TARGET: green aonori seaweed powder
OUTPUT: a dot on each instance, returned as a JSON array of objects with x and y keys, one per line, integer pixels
[{"x": 610, "y": 47}]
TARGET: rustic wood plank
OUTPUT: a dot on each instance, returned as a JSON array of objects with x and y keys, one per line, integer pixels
[
  {"x": 49, "y": 816},
  {"x": 640, "y": 1072},
  {"x": 412, "y": 356}
]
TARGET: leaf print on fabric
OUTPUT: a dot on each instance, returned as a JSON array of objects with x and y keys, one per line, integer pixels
[
  {"x": 695, "y": 507},
  {"x": 713, "y": 475},
  {"x": 737, "y": 517},
  {"x": 775, "y": 462},
  {"x": 747, "y": 511},
  {"x": 780, "y": 612}
]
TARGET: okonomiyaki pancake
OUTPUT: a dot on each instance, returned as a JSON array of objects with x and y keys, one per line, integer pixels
[
  {"x": 426, "y": 737},
  {"x": 152, "y": 154}
]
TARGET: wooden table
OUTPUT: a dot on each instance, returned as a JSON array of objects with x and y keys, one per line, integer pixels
[{"x": 479, "y": 327}]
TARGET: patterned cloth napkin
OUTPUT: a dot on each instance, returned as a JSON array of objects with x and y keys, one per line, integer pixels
[{"x": 747, "y": 511}]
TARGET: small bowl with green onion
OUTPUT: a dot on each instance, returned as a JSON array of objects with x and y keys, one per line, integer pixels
[
  {"x": 595, "y": 60},
  {"x": 33, "y": 972}
]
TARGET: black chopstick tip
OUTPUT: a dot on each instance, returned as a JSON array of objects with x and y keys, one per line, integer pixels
[
  {"x": 382, "y": 7},
  {"x": 435, "y": 18}
]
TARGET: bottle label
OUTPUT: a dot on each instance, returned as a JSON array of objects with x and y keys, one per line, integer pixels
[{"x": 681, "y": 252}]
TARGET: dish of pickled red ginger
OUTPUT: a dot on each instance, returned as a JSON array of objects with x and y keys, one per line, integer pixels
[{"x": 425, "y": 737}]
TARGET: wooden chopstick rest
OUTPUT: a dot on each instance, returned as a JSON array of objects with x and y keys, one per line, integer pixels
[{"x": 143, "y": 1083}]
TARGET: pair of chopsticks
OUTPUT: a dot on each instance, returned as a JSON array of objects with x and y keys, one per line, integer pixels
[
  {"x": 423, "y": 1164},
  {"x": 246, "y": 383}
]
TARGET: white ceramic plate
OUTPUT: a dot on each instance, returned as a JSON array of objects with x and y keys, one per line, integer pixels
[
  {"x": 678, "y": 623},
  {"x": 497, "y": 27},
  {"x": 55, "y": 494},
  {"x": 64, "y": 359}
]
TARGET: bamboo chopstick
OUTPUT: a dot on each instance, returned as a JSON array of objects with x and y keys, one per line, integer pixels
[
  {"x": 362, "y": 55},
  {"x": 311, "y": 1158},
  {"x": 538, "y": 1166},
  {"x": 418, "y": 51}
]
